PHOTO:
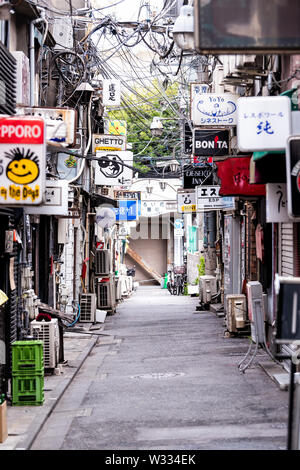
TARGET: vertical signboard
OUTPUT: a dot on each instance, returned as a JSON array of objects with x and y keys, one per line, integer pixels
[
  {"x": 111, "y": 92},
  {"x": 293, "y": 176},
  {"x": 276, "y": 203},
  {"x": 22, "y": 160}
]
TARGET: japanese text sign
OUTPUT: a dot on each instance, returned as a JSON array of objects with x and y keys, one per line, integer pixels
[
  {"x": 234, "y": 173},
  {"x": 127, "y": 210},
  {"x": 276, "y": 203},
  {"x": 264, "y": 123},
  {"x": 22, "y": 160},
  {"x": 208, "y": 198},
  {"x": 111, "y": 93},
  {"x": 210, "y": 109}
]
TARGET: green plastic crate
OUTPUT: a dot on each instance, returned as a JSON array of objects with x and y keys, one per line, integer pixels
[
  {"x": 27, "y": 357},
  {"x": 28, "y": 390}
]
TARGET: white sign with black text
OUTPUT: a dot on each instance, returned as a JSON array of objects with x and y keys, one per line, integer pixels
[
  {"x": 207, "y": 197},
  {"x": 111, "y": 93},
  {"x": 55, "y": 199},
  {"x": 276, "y": 203}
]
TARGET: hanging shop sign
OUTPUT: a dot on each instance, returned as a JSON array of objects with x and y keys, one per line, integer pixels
[
  {"x": 67, "y": 166},
  {"x": 186, "y": 202},
  {"x": 293, "y": 176},
  {"x": 22, "y": 160},
  {"x": 55, "y": 200},
  {"x": 234, "y": 173},
  {"x": 60, "y": 123},
  {"x": 111, "y": 93},
  {"x": 211, "y": 109},
  {"x": 127, "y": 210},
  {"x": 111, "y": 168},
  {"x": 264, "y": 123},
  {"x": 208, "y": 198},
  {"x": 211, "y": 142},
  {"x": 154, "y": 208},
  {"x": 276, "y": 203},
  {"x": 122, "y": 194},
  {"x": 235, "y": 26},
  {"x": 178, "y": 228},
  {"x": 188, "y": 139},
  {"x": 115, "y": 127},
  {"x": 108, "y": 142},
  {"x": 197, "y": 175}
]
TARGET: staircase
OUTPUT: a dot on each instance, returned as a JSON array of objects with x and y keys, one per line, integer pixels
[{"x": 143, "y": 264}]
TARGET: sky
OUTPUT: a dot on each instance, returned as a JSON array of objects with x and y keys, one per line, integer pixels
[{"x": 127, "y": 10}]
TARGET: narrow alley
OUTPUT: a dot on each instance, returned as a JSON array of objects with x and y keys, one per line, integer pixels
[{"x": 165, "y": 378}]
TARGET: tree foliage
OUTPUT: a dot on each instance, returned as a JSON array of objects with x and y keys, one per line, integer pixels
[{"x": 138, "y": 111}]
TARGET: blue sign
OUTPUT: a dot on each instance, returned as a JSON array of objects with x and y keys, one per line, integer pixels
[{"x": 127, "y": 210}]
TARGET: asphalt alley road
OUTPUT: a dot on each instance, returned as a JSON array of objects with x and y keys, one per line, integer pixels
[{"x": 165, "y": 378}]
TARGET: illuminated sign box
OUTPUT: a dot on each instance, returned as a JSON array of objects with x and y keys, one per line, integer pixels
[{"x": 253, "y": 25}]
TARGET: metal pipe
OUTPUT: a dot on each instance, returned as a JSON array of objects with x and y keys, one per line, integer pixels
[{"x": 32, "y": 51}]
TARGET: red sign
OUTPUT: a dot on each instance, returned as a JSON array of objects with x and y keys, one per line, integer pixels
[
  {"x": 21, "y": 131},
  {"x": 234, "y": 173}
]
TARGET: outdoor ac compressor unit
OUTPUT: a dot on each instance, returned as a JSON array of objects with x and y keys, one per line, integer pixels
[
  {"x": 236, "y": 312},
  {"x": 48, "y": 332},
  {"x": 87, "y": 308},
  {"x": 102, "y": 263},
  {"x": 106, "y": 295},
  {"x": 207, "y": 289},
  {"x": 256, "y": 311}
]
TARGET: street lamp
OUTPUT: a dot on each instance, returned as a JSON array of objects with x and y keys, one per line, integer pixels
[{"x": 183, "y": 29}]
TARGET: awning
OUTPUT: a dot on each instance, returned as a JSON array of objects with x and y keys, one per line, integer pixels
[
  {"x": 267, "y": 168},
  {"x": 234, "y": 173}
]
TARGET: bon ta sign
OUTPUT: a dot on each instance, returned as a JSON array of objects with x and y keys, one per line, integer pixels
[{"x": 22, "y": 160}]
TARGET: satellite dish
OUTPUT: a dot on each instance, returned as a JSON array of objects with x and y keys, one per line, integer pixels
[{"x": 105, "y": 217}]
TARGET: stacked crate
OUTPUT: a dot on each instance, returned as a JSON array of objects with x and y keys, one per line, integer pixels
[{"x": 27, "y": 373}]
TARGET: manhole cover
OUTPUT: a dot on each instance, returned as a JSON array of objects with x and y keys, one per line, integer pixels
[{"x": 157, "y": 375}]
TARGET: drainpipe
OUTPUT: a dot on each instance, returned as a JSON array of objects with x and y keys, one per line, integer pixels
[{"x": 33, "y": 23}]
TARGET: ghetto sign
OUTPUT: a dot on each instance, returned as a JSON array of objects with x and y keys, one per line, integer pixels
[{"x": 22, "y": 160}]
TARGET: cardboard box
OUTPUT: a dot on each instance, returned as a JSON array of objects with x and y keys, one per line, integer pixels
[{"x": 3, "y": 423}]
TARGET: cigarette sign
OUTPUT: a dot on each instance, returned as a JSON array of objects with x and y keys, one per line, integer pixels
[{"x": 22, "y": 160}]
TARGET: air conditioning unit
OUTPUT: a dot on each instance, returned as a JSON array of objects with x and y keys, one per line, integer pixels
[
  {"x": 106, "y": 295},
  {"x": 47, "y": 332},
  {"x": 102, "y": 263},
  {"x": 207, "y": 289},
  {"x": 118, "y": 283},
  {"x": 256, "y": 311},
  {"x": 236, "y": 312},
  {"x": 87, "y": 308}
]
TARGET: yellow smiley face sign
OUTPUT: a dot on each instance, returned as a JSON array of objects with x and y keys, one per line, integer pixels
[{"x": 24, "y": 168}]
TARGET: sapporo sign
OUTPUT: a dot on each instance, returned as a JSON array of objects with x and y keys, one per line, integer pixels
[{"x": 22, "y": 160}]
